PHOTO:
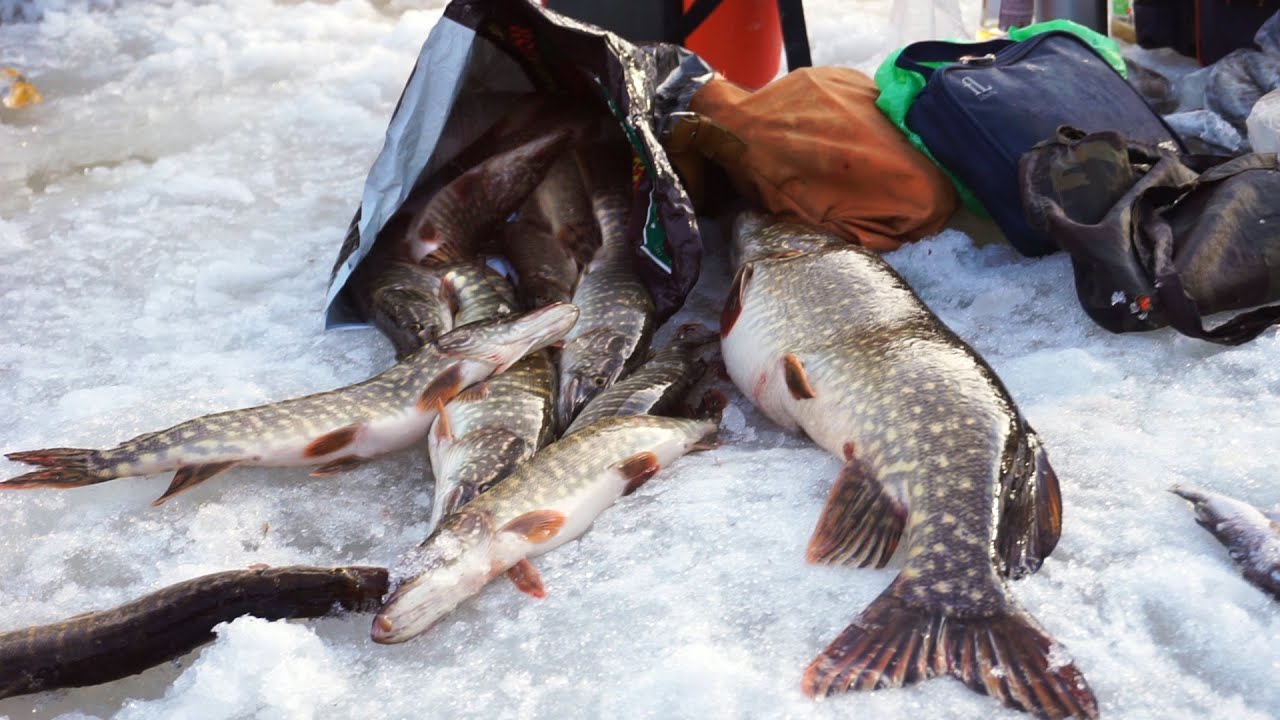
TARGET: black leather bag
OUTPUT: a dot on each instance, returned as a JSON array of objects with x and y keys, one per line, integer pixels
[
  {"x": 996, "y": 99},
  {"x": 1157, "y": 239}
]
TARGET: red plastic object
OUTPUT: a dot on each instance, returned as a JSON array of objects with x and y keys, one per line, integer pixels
[{"x": 742, "y": 39}]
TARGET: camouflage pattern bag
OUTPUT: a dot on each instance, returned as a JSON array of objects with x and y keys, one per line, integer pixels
[{"x": 1157, "y": 239}]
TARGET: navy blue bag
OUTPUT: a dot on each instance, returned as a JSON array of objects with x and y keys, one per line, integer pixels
[{"x": 997, "y": 99}]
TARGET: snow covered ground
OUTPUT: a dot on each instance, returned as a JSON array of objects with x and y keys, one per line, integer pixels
[{"x": 168, "y": 218}]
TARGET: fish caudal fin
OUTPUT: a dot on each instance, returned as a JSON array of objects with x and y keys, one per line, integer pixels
[
  {"x": 1031, "y": 514},
  {"x": 1006, "y": 656},
  {"x": 861, "y": 522},
  {"x": 62, "y": 468}
]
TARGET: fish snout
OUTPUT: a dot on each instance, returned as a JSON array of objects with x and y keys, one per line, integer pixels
[{"x": 504, "y": 341}]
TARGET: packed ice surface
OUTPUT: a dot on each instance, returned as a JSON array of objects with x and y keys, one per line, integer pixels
[{"x": 168, "y": 219}]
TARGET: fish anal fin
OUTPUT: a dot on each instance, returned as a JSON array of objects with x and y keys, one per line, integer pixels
[
  {"x": 331, "y": 442},
  {"x": 443, "y": 388},
  {"x": 1006, "y": 656},
  {"x": 797, "y": 379},
  {"x": 536, "y": 526},
  {"x": 637, "y": 469},
  {"x": 188, "y": 476},
  {"x": 527, "y": 579},
  {"x": 861, "y": 522},
  {"x": 733, "y": 305},
  {"x": 341, "y": 465},
  {"x": 1030, "y": 516}
]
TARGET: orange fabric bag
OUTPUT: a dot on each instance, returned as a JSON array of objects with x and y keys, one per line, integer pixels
[{"x": 813, "y": 145}]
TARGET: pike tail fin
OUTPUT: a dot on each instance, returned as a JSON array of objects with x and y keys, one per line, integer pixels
[
  {"x": 1006, "y": 656},
  {"x": 62, "y": 468}
]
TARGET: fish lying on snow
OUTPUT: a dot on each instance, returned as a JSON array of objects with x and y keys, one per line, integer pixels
[
  {"x": 825, "y": 337},
  {"x": 548, "y": 501},
  {"x": 98, "y": 647},
  {"x": 336, "y": 430},
  {"x": 658, "y": 386},
  {"x": 485, "y": 432},
  {"x": 617, "y": 322},
  {"x": 1251, "y": 537}
]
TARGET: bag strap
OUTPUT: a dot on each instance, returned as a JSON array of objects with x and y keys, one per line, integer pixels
[{"x": 914, "y": 56}]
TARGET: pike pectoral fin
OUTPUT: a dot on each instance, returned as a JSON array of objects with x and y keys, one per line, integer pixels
[
  {"x": 62, "y": 468},
  {"x": 475, "y": 393},
  {"x": 797, "y": 379},
  {"x": 861, "y": 522},
  {"x": 637, "y": 469},
  {"x": 1030, "y": 520},
  {"x": 331, "y": 442},
  {"x": 1006, "y": 656},
  {"x": 341, "y": 465},
  {"x": 526, "y": 579},
  {"x": 442, "y": 389},
  {"x": 188, "y": 476},
  {"x": 441, "y": 430},
  {"x": 537, "y": 526}
]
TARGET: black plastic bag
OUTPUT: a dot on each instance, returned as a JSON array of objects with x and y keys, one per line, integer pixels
[{"x": 481, "y": 54}]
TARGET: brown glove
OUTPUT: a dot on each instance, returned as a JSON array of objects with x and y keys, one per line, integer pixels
[{"x": 813, "y": 145}]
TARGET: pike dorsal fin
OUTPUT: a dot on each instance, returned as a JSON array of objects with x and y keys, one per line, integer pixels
[
  {"x": 861, "y": 522},
  {"x": 1030, "y": 515}
]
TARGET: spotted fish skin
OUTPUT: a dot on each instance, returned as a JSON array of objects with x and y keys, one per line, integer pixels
[
  {"x": 617, "y": 323},
  {"x": 825, "y": 338},
  {"x": 562, "y": 199},
  {"x": 484, "y": 433},
  {"x": 548, "y": 501},
  {"x": 1251, "y": 537},
  {"x": 547, "y": 273},
  {"x": 336, "y": 429},
  {"x": 98, "y": 647},
  {"x": 407, "y": 302},
  {"x": 477, "y": 293},
  {"x": 450, "y": 226},
  {"x": 657, "y": 387}
]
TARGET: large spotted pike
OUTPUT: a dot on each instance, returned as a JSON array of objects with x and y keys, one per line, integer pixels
[
  {"x": 101, "y": 646},
  {"x": 658, "y": 387},
  {"x": 485, "y": 432},
  {"x": 548, "y": 501},
  {"x": 826, "y": 338},
  {"x": 546, "y": 271},
  {"x": 451, "y": 224},
  {"x": 1251, "y": 537},
  {"x": 336, "y": 430},
  {"x": 617, "y": 323}
]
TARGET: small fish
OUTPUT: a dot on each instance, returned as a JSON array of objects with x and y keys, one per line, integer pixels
[
  {"x": 826, "y": 338},
  {"x": 99, "y": 647},
  {"x": 337, "y": 430},
  {"x": 16, "y": 91},
  {"x": 1251, "y": 537},
  {"x": 485, "y": 432},
  {"x": 546, "y": 272},
  {"x": 404, "y": 300},
  {"x": 548, "y": 501},
  {"x": 617, "y": 322},
  {"x": 658, "y": 386},
  {"x": 451, "y": 225}
]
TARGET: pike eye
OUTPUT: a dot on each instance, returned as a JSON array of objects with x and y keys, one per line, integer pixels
[{"x": 599, "y": 382}]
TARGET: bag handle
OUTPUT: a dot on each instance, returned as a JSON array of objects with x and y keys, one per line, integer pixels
[{"x": 916, "y": 54}]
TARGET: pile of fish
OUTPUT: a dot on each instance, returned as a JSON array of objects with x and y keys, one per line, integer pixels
[
  {"x": 476, "y": 382},
  {"x": 524, "y": 369}
]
